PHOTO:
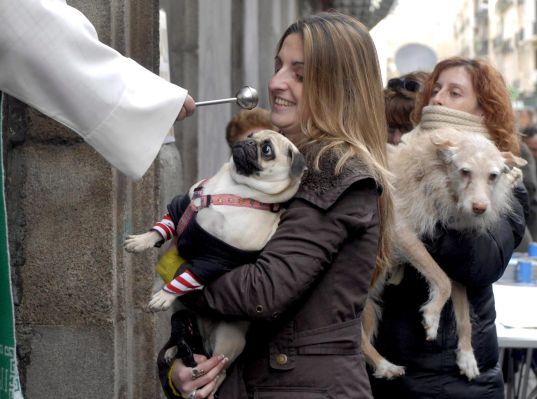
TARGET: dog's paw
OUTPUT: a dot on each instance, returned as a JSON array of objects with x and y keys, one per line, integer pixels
[
  {"x": 514, "y": 176},
  {"x": 467, "y": 363},
  {"x": 431, "y": 321},
  {"x": 161, "y": 300},
  {"x": 141, "y": 242},
  {"x": 396, "y": 276},
  {"x": 388, "y": 370},
  {"x": 170, "y": 353}
]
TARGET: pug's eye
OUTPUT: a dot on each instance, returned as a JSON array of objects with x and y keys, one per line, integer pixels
[{"x": 266, "y": 150}]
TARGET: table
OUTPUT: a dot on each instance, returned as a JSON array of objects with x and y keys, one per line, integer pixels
[
  {"x": 516, "y": 325},
  {"x": 523, "y": 338}
]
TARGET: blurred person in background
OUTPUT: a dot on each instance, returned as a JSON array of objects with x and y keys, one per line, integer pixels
[
  {"x": 247, "y": 121},
  {"x": 400, "y": 99},
  {"x": 524, "y": 118},
  {"x": 529, "y": 135},
  {"x": 528, "y": 151}
]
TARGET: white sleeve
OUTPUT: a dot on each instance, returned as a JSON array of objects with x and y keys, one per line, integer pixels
[{"x": 51, "y": 59}]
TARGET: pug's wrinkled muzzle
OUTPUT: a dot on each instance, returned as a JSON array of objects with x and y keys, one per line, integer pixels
[{"x": 245, "y": 157}]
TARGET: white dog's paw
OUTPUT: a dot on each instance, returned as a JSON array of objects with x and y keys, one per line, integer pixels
[
  {"x": 431, "y": 321},
  {"x": 396, "y": 276},
  {"x": 170, "y": 353},
  {"x": 514, "y": 176},
  {"x": 141, "y": 242},
  {"x": 467, "y": 363},
  {"x": 388, "y": 370},
  {"x": 161, "y": 300}
]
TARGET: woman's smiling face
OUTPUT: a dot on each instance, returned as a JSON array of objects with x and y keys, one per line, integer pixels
[{"x": 285, "y": 87}]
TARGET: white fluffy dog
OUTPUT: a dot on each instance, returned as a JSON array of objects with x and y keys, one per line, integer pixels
[{"x": 458, "y": 179}]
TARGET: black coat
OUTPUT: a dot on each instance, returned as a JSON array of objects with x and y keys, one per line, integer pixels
[{"x": 431, "y": 369}]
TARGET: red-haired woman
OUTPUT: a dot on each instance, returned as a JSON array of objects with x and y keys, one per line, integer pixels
[{"x": 469, "y": 95}]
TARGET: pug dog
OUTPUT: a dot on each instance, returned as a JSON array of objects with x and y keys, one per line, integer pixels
[{"x": 222, "y": 223}]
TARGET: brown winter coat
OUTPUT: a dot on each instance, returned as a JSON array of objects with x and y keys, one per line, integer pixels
[{"x": 305, "y": 294}]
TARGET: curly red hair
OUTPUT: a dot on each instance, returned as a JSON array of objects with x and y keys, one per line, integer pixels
[{"x": 492, "y": 96}]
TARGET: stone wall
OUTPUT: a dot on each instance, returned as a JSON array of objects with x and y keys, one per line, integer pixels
[{"x": 81, "y": 326}]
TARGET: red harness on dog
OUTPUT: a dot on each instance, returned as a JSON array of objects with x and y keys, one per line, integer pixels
[{"x": 218, "y": 199}]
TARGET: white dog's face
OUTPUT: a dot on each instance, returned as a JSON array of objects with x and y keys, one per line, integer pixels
[
  {"x": 268, "y": 162},
  {"x": 478, "y": 174}
]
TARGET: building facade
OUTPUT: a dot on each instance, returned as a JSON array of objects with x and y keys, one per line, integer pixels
[{"x": 505, "y": 33}]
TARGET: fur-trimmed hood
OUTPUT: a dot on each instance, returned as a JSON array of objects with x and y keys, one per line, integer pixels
[{"x": 323, "y": 186}]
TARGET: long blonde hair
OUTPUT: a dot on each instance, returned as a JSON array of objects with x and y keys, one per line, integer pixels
[{"x": 344, "y": 102}]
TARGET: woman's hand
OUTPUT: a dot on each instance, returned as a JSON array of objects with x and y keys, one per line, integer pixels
[{"x": 198, "y": 382}]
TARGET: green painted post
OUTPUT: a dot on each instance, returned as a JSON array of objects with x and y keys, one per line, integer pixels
[{"x": 9, "y": 377}]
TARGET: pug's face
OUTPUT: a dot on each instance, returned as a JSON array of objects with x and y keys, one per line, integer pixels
[{"x": 268, "y": 162}]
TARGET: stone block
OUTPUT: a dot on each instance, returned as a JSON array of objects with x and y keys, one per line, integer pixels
[
  {"x": 71, "y": 363},
  {"x": 68, "y": 239},
  {"x": 98, "y": 12}
]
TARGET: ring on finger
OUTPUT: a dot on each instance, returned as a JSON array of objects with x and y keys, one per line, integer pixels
[
  {"x": 197, "y": 373},
  {"x": 193, "y": 394}
]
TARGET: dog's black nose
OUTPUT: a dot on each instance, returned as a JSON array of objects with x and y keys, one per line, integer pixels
[
  {"x": 248, "y": 142},
  {"x": 245, "y": 157}
]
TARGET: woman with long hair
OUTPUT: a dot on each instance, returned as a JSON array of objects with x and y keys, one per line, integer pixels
[
  {"x": 468, "y": 95},
  {"x": 305, "y": 294}
]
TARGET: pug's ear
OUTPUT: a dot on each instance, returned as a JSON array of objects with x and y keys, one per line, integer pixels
[
  {"x": 513, "y": 161},
  {"x": 298, "y": 163}
]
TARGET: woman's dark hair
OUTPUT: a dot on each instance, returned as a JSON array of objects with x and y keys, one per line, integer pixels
[{"x": 400, "y": 99}]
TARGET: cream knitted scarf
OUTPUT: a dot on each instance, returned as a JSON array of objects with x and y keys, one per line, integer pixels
[{"x": 436, "y": 117}]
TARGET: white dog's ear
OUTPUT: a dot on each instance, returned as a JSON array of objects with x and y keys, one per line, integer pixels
[
  {"x": 444, "y": 146},
  {"x": 513, "y": 161},
  {"x": 298, "y": 163},
  {"x": 440, "y": 140},
  {"x": 445, "y": 154}
]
